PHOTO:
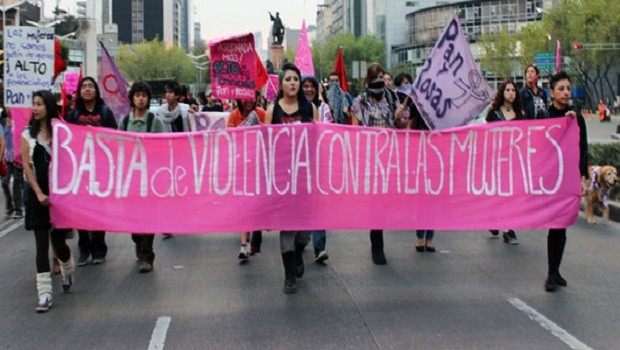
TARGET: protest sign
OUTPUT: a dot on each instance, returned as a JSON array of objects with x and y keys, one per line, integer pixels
[
  {"x": 28, "y": 63},
  {"x": 71, "y": 81},
  {"x": 273, "y": 85},
  {"x": 233, "y": 67},
  {"x": 309, "y": 176},
  {"x": 450, "y": 91}
]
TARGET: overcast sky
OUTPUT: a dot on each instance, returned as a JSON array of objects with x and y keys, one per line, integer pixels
[
  {"x": 229, "y": 17},
  {"x": 221, "y": 18}
]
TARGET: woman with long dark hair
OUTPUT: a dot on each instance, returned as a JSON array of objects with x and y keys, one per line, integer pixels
[
  {"x": 506, "y": 106},
  {"x": 91, "y": 110},
  {"x": 291, "y": 107},
  {"x": 35, "y": 147}
]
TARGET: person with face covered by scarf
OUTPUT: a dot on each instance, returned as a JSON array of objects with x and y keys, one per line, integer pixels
[
  {"x": 377, "y": 107},
  {"x": 339, "y": 100}
]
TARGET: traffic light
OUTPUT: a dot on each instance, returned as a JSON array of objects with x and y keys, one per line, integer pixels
[{"x": 577, "y": 46}]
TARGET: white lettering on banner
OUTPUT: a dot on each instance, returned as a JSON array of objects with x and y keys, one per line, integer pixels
[{"x": 282, "y": 161}]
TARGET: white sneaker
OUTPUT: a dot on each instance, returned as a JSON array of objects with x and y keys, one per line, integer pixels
[
  {"x": 321, "y": 257},
  {"x": 244, "y": 252},
  {"x": 45, "y": 302}
]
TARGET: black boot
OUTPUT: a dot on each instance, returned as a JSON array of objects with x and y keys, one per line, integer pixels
[
  {"x": 288, "y": 259},
  {"x": 255, "y": 241},
  {"x": 299, "y": 260},
  {"x": 376, "y": 242},
  {"x": 556, "y": 241}
]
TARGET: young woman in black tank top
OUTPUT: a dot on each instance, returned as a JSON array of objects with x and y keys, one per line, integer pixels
[{"x": 291, "y": 106}]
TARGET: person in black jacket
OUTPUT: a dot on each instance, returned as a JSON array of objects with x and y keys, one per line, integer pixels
[
  {"x": 556, "y": 240},
  {"x": 506, "y": 106},
  {"x": 91, "y": 110},
  {"x": 534, "y": 98}
]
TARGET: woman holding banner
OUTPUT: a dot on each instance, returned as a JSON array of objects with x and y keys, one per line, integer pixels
[
  {"x": 91, "y": 110},
  {"x": 35, "y": 149},
  {"x": 556, "y": 239},
  {"x": 247, "y": 114},
  {"x": 506, "y": 106},
  {"x": 291, "y": 107},
  {"x": 312, "y": 90},
  {"x": 377, "y": 107}
]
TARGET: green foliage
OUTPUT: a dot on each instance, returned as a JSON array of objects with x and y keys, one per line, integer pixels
[
  {"x": 499, "y": 52},
  {"x": 69, "y": 24},
  {"x": 533, "y": 38},
  {"x": 153, "y": 60},
  {"x": 367, "y": 48},
  {"x": 605, "y": 154}
]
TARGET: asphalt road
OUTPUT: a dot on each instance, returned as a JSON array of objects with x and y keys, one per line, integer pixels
[{"x": 475, "y": 293}]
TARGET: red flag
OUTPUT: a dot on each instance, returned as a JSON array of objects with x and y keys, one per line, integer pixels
[
  {"x": 341, "y": 70},
  {"x": 64, "y": 101},
  {"x": 59, "y": 62},
  {"x": 261, "y": 72}
]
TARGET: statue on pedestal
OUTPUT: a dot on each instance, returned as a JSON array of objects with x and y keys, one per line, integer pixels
[{"x": 277, "y": 31}]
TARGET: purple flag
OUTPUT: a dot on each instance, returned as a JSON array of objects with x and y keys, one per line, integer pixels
[
  {"x": 450, "y": 91},
  {"x": 303, "y": 56},
  {"x": 113, "y": 86}
]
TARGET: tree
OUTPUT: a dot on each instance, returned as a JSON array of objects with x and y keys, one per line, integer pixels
[
  {"x": 70, "y": 24},
  {"x": 587, "y": 22},
  {"x": 499, "y": 53},
  {"x": 153, "y": 60},
  {"x": 367, "y": 48}
]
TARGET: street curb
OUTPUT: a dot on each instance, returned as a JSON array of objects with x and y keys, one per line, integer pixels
[{"x": 614, "y": 211}]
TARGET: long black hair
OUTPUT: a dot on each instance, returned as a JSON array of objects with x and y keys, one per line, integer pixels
[
  {"x": 301, "y": 96},
  {"x": 50, "y": 108},
  {"x": 316, "y": 101},
  {"x": 79, "y": 102}
]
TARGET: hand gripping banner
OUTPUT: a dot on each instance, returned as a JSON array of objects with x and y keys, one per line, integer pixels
[{"x": 316, "y": 176}]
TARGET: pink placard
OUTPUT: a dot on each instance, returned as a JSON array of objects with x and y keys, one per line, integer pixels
[
  {"x": 317, "y": 176},
  {"x": 71, "y": 81},
  {"x": 233, "y": 67}
]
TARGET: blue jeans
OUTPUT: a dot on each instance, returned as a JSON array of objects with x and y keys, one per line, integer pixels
[
  {"x": 428, "y": 234},
  {"x": 318, "y": 241}
]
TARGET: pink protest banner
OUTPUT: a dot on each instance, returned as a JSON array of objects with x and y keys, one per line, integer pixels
[
  {"x": 233, "y": 67},
  {"x": 303, "y": 56},
  {"x": 273, "y": 85},
  {"x": 71, "y": 81},
  {"x": 450, "y": 91},
  {"x": 309, "y": 176},
  {"x": 21, "y": 117}
]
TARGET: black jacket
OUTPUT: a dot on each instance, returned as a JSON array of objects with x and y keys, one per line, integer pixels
[{"x": 583, "y": 136}]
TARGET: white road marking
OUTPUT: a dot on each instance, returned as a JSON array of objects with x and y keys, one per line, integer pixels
[
  {"x": 549, "y": 325},
  {"x": 158, "y": 338},
  {"x": 12, "y": 227}
]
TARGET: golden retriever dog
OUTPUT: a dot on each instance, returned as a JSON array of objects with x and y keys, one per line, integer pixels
[{"x": 598, "y": 188}]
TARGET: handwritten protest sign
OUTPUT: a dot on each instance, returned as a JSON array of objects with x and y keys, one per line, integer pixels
[
  {"x": 450, "y": 91},
  {"x": 28, "y": 63},
  {"x": 308, "y": 176},
  {"x": 233, "y": 67}
]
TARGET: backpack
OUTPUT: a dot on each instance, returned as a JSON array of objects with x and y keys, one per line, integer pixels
[{"x": 149, "y": 122}]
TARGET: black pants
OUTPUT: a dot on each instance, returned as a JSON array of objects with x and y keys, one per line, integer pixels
[
  {"x": 13, "y": 197},
  {"x": 92, "y": 242},
  {"x": 556, "y": 241},
  {"x": 58, "y": 238},
  {"x": 144, "y": 246}
]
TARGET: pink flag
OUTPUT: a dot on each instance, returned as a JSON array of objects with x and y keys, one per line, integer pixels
[
  {"x": 303, "y": 57},
  {"x": 558, "y": 57},
  {"x": 450, "y": 91},
  {"x": 113, "y": 86},
  {"x": 273, "y": 84}
]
